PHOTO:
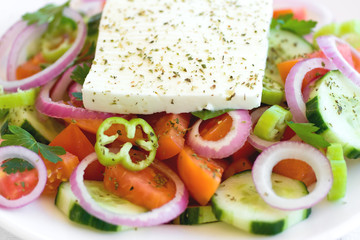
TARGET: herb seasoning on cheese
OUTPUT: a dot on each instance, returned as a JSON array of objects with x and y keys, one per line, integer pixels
[{"x": 179, "y": 56}]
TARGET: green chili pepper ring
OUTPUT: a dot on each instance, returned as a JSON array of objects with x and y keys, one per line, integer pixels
[{"x": 108, "y": 158}]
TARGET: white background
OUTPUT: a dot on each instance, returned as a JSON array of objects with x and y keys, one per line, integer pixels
[{"x": 9, "y": 13}]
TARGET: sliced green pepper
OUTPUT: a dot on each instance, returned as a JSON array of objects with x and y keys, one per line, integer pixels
[
  {"x": 108, "y": 158},
  {"x": 272, "y": 123},
  {"x": 338, "y": 165},
  {"x": 19, "y": 99}
]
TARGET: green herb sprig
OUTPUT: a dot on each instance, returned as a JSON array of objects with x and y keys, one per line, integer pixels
[
  {"x": 21, "y": 137},
  {"x": 287, "y": 22},
  {"x": 307, "y": 132}
]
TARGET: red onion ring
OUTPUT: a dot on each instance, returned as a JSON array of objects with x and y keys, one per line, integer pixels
[
  {"x": 266, "y": 161},
  {"x": 227, "y": 145},
  {"x": 58, "y": 109},
  {"x": 255, "y": 141},
  {"x": 6, "y": 43},
  {"x": 75, "y": 88},
  {"x": 53, "y": 70},
  {"x": 154, "y": 217},
  {"x": 328, "y": 45},
  {"x": 9, "y": 152},
  {"x": 293, "y": 85}
]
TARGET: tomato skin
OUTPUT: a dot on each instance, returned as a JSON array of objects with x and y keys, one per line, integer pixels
[
  {"x": 74, "y": 141},
  {"x": 30, "y": 67},
  {"x": 59, "y": 172},
  {"x": 149, "y": 188},
  {"x": 15, "y": 185},
  {"x": 296, "y": 169},
  {"x": 170, "y": 130},
  {"x": 201, "y": 176}
]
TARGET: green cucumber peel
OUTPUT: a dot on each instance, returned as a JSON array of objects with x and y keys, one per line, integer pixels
[{"x": 18, "y": 99}]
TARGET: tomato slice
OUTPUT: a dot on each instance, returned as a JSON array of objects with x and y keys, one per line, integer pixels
[
  {"x": 170, "y": 130},
  {"x": 74, "y": 141},
  {"x": 149, "y": 188},
  {"x": 30, "y": 67},
  {"x": 201, "y": 176},
  {"x": 15, "y": 185},
  {"x": 59, "y": 172},
  {"x": 296, "y": 169}
]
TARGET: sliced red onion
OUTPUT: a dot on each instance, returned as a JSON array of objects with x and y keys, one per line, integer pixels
[
  {"x": 59, "y": 109},
  {"x": 255, "y": 141},
  {"x": 293, "y": 85},
  {"x": 75, "y": 88},
  {"x": 265, "y": 162},
  {"x": 328, "y": 44},
  {"x": 6, "y": 43},
  {"x": 18, "y": 51},
  {"x": 54, "y": 69},
  {"x": 10, "y": 152},
  {"x": 157, "y": 216},
  {"x": 226, "y": 146}
]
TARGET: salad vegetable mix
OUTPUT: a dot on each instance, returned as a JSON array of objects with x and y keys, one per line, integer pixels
[{"x": 259, "y": 170}]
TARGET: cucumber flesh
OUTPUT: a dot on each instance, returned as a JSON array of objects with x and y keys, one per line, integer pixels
[
  {"x": 283, "y": 46},
  {"x": 333, "y": 106},
  {"x": 237, "y": 202},
  {"x": 196, "y": 215},
  {"x": 41, "y": 127},
  {"x": 67, "y": 203}
]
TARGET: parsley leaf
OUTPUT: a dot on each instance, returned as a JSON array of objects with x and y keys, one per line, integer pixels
[
  {"x": 207, "y": 114},
  {"x": 79, "y": 73},
  {"x": 306, "y": 131},
  {"x": 21, "y": 137},
  {"x": 78, "y": 96},
  {"x": 16, "y": 165},
  {"x": 287, "y": 22},
  {"x": 48, "y": 14}
]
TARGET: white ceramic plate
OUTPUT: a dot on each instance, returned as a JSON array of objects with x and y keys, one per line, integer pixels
[{"x": 41, "y": 220}]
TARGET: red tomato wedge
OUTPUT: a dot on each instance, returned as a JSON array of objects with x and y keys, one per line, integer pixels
[
  {"x": 30, "y": 67},
  {"x": 170, "y": 130},
  {"x": 15, "y": 185},
  {"x": 73, "y": 140},
  {"x": 201, "y": 176},
  {"x": 59, "y": 172},
  {"x": 298, "y": 13},
  {"x": 149, "y": 188},
  {"x": 216, "y": 128},
  {"x": 238, "y": 165},
  {"x": 296, "y": 169}
]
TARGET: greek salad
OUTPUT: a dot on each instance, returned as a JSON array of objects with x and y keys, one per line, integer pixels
[{"x": 260, "y": 170}]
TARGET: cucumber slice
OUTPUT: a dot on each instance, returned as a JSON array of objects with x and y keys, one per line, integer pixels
[
  {"x": 68, "y": 204},
  {"x": 41, "y": 127},
  {"x": 273, "y": 92},
  {"x": 272, "y": 123},
  {"x": 338, "y": 165},
  {"x": 333, "y": 106},
  {"x": 196, "y": 215},
  {"x": 236, "y": 202},
  {"x": 283, "y": 46}
]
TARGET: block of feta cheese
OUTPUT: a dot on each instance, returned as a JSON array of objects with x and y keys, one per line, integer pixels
[{"x": 179, "y": 56}]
